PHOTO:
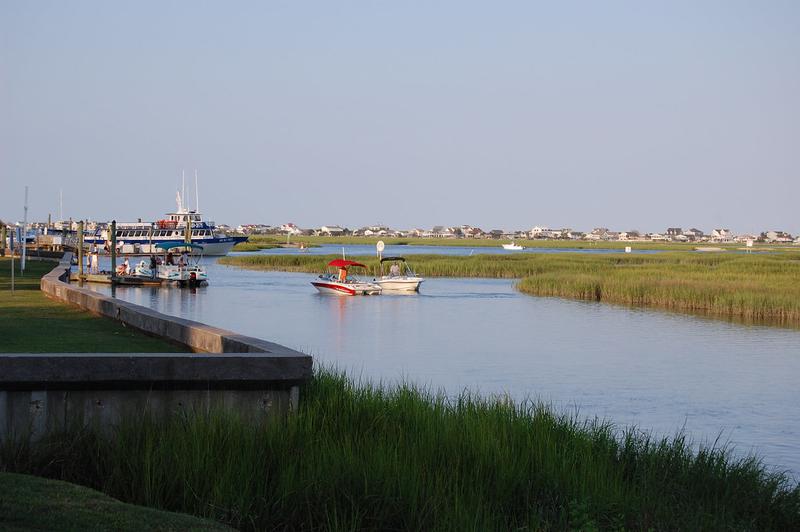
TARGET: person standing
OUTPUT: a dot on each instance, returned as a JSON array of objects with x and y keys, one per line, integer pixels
[{"x": 95, "y": 268}]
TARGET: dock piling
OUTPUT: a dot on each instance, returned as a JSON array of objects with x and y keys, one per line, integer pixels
[
  {"x": 80, "y": 250},
  {"x": 113, "y": 251}
]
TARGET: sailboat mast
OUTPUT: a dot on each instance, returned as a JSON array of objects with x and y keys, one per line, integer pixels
[
  {"x": 196, "y": 193},
  {"x": 183, "y": 186}
]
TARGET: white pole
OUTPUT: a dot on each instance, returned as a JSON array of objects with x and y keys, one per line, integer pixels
[
  {"x": 183, "y": 187},
  {"x": 24, "y": 233},
  {"x": 196, "y": 193}
]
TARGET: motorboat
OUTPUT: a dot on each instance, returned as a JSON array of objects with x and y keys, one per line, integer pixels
[
  {"x": 341, "y": 283},
  {"x": 513, "y": 247},
  {"x": 185, "y": 270},
  {"x": 400, "y": 277}
]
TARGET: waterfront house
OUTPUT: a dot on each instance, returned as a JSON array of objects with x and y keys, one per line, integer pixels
[
  {"x": 693, "y": 234},
  {"x": 778, "y": 237},
  {"x": 331, "y": 230},
  {"x": 721, "y": 235}
]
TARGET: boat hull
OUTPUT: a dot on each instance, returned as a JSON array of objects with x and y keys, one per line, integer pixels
[
  {"x": 400, "y": 284},
  {"x": 346, "y": 289},
  {"x": 212, "y": 247}
]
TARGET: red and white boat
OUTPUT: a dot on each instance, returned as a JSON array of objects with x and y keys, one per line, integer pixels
[{"x": 341, "y": 283}]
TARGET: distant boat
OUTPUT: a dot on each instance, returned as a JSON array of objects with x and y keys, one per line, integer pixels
[
  {"x": 513, "y": 247},
  {"x": 399, "y": 278},
  {"x": 342, "y": 284}
]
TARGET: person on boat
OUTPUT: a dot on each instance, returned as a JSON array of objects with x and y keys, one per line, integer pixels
[
  {"x": 184, "y": 260},
  {"x": 170, "y": 259},
  {"x": 394, "y": 271},
  {"x": 127, "y": 266},
  {"x": 153, "y": 262},
  {"x": 342, "y": 275}
]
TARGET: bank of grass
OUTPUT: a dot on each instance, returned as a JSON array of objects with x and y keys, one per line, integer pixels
[
  {"x": 491, "y": 242},
  {"x": 361, "y": 457},
  {"x": 753, "y": 287},
  {"x": 253, "y": 246},
  {"x": 33, "y": 503},
  {"x": 32, "y": 323}
]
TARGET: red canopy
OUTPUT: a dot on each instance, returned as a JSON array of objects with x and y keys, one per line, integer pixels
[{"x": 341, "y": 263}]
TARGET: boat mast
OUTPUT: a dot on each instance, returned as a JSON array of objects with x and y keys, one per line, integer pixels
[
  {"x": 183, "y": 185},
  {"x": 196, "y": 193}
]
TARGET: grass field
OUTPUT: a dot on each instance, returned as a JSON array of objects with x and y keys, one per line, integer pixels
[
  {"x": 359, "y": 457},
  {"x": 33, "y": 503},
  {"x": 489, "y": 242},
  {"x": 753, "y": 287},
  {"x": 32, "y": 323}
]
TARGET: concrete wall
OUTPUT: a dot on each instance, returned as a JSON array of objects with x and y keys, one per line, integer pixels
[
  {"x": 196, "y": 336},
  {"x": 41, "y": 393}
]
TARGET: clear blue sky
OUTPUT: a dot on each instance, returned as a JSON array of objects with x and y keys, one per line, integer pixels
[{"x": 630, "y": 115}]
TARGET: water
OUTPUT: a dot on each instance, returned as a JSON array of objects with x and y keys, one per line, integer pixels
[{"x": 656, "y": 370}]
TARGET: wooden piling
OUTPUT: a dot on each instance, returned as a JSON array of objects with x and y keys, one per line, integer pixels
[
  {"x": 80, "y": 249},
  {"x": 113, "y": 250}
]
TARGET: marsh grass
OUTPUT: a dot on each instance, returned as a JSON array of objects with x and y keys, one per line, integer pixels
[
  {"x": 761, "y": 288},
  {"x": 485, "y": 242},
  {"x": 357, "y": 456}
]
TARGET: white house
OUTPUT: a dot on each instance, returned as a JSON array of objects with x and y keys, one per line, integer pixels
[
  {"x": 331, "y": 230},
  {"x": 721, "y": 235}
]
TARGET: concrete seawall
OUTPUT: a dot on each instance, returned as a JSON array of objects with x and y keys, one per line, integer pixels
[
  {"x": 194, "y": 335},
  {"x": 43, "y": 393}
]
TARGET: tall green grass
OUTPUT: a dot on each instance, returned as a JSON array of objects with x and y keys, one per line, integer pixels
[
  {"x": 364, "y": 457},
  {"x": 753, "y": 287}
]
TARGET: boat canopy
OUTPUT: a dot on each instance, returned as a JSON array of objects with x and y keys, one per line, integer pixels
[
  {"x": 177, "y": 244},
  {"x": 342, "y": 263},
  {"x": 393, "y": 259}
]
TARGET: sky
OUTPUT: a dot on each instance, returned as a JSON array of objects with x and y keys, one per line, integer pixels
[{"x": 627, "y": 115}]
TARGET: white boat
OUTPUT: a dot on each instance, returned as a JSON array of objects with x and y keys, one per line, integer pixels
[
  {"x": 185, "y": 270},
  {"x": 142, "y": 237},
  {"x": 513, "y": 247},
  {"x": 341, "y": 283},
  {"x": 400, "y": 277}
]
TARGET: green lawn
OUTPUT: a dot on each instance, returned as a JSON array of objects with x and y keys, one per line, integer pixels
[
  {"x": 32, "y": 323},
  {"x": 33, "y": 503}
]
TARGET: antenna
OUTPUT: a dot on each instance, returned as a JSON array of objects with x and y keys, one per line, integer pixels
[
  {"x": 196, "y": 193},
  {"x": 183, "y": 185}
]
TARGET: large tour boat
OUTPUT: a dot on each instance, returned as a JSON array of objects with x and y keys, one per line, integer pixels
[{"x": 142, "y": 237}]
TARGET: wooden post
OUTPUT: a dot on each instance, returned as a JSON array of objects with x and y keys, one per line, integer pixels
[
  {"x": 80, "y": 250},
  {"x": 113, "y": 250},
  {"x": 188, "y": 231}
]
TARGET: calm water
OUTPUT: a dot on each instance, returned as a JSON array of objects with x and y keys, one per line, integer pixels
[{"x": 659, "y": 371}]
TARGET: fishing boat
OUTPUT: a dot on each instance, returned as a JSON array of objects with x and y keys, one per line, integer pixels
[
  {"x": 185, "y": 270},
  {"x": 339, "y": 282},
  {"x": 141, "y": 238},
  {"x": 400, "y": 277},
  {"x": 513, "y": 247}
]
